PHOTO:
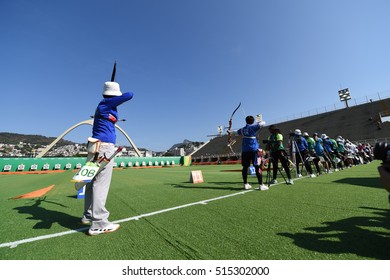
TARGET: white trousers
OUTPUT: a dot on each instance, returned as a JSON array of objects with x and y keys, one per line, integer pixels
[{"x": 96, "y": 192}]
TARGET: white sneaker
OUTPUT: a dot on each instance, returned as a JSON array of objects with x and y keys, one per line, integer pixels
[
  {"x": 312, "y": 176},
  {"x": 273, "y": 181},
  {"x": 336, "y": 169},
  {"x": 299, "y": 175},
  {"x": 290, "y": 182},
  {"x": 330, "y": 171},
  {"x": 247, "y": 186},
  {"x": 107, "y": 229},
  {"x": 263, "y": 187}
]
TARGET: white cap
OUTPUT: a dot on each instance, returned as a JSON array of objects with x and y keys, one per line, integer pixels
[
  {"x": 298, "y": 132},
  {"x": 111, "y": 89}
]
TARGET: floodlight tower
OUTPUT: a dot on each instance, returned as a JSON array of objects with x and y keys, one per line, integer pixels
[{"x": 345, "y": 95}]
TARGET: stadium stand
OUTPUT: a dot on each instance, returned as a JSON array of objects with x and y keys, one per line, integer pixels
[{"x": 360, "y": 123}]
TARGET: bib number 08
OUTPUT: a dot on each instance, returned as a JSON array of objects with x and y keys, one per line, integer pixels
[{"x": 88, "y": 172}]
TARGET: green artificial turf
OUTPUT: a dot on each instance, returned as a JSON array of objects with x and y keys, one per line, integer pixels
[{"x": 339, "y": 216}]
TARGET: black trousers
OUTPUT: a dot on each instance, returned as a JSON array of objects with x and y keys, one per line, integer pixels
[
  {"x": 248, "y": 158},
  {"x": 282, "y": 156},
  {"x": 299, "y": 156}
]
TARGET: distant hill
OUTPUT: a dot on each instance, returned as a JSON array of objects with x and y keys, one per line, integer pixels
[
  {"x": 14, "y": 138},
  {"x": 185, "y": 144},
  {"x": 188, "y": 146}
]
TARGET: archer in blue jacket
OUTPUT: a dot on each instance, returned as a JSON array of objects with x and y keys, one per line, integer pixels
[
  {"x": 102, "y": 145},
  {"x": 106, "y": 115},
  {"x": 302, "y": 153},
  {"x": 250, "y": 149}
]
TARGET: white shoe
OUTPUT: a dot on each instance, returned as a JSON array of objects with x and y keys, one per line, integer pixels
[
  {"x": 330, "y": 171},
  {"x": 299, "y": 175},
  {"x": 263, "y": 187},
  {"x": 336, "y": 169},
  {"x": 290, "y": 182},
  {"x": 273, "y": 181},
  {"x": 247, "y": 186},
  {"x": 312, "y": 176},
  {"x": 107, "y": 229}
]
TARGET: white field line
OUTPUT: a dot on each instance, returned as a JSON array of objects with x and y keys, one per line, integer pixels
[
  {"x": 135, "y": 218},
  {"x": 48, "y": 236}
]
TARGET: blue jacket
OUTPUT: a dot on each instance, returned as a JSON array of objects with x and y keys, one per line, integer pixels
[
  {"x": 318, "y": 147},
  {"x": 301, "y": 143},
  {"x": 106, "y": 115},
  {"x": 328, "y": 145},
  {"x": 249, "y": 141}
]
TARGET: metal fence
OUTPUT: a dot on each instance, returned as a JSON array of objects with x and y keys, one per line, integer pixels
[{"x": 333, "y": 107}]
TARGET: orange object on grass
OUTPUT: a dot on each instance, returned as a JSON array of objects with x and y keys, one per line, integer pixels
[{"x": 37, "y": 193}]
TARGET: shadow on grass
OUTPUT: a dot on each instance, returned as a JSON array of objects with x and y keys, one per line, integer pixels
[
  {"x": 46, "y": 218},
  {"x": 367, "y": 237},
  {"x": 364, "y": 182}
]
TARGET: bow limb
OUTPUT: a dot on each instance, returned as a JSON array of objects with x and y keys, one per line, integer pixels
[
  {"x": 230, "y": 127},
  {"x": 113, "y": 73},
  {"x": 228, "y": 131}
]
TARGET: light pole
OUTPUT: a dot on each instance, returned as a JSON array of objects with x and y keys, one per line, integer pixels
[{"x": 345, "y": 95}]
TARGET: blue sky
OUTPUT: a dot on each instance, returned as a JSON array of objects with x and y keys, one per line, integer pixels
[{"x": 189, "y": 63}]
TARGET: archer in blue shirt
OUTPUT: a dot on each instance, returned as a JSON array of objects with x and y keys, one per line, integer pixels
[
  {"x": 106, "y": 115},
  {"x": 302, "y": 153},
  {"x": 250, "y": 151},
  {"x": 102, "y": 145}
]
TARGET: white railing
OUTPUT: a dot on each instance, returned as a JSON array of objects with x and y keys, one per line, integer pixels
[{"x": 333, "y": 107}]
